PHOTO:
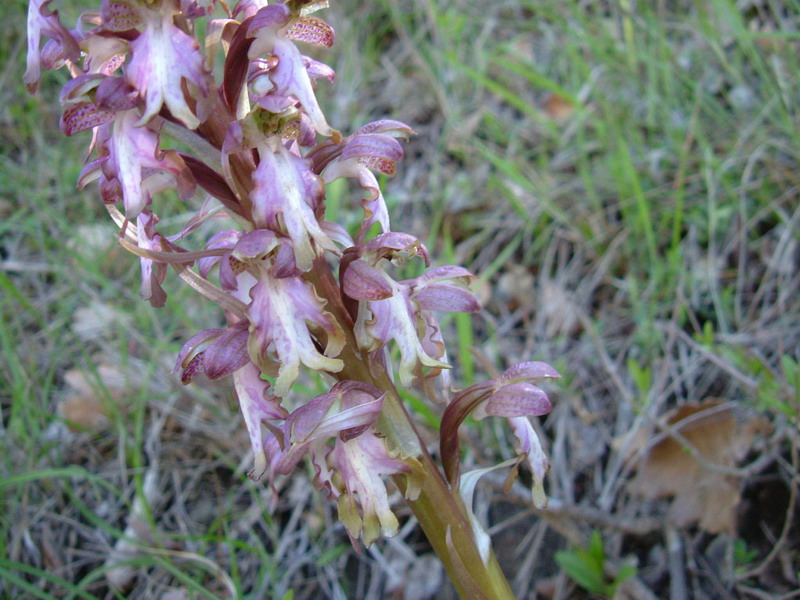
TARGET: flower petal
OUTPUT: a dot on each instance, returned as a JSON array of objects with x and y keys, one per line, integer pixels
[
  {"x": 258, "y": 406},
  {"x": 163, "y": 58},
  {"x": 286, "y": 188},
  {"x": 40, "y": 23},
  {"x": 448, "y": 298},
  {"x": 363, "y": 462},
  {"x": 528, "y": 371},
  {"x": 364, "y": 282},
  {"x": 528, "y": 447},
  {"x": 518, "y": 400},
  {"x": 311, "y": 30},
  {"x": 278, "y": 314}
]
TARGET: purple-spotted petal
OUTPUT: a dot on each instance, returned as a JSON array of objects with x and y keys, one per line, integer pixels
[
  {"x": 80, "y": 117},
  {"x": 311, "y": 30},
  {"x": 120, "y": 15},
  {"x": 376, "y": 151}
]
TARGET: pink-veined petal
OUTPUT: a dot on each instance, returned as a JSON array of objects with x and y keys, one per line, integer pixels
[
  {"x": 64, "y": 46},
  {"x": 528, "y": 446},
  {"x": 285, "y": 187},
  {"x": 258, "y": 406},
  {"x": 163, "y": 57},
  {"x": 278, "y": 313},
  {"x": 449, "y": 298},
  {"x": 364, "y": 282},
  {"x": 518, "y": 400}
]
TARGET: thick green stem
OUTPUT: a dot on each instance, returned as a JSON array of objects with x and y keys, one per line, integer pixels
[
  {"x": 438, "y": 508},
  {"x": 441, "y": 515}
]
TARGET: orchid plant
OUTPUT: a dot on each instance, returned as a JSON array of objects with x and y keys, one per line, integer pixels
[{"x": 298, "y": 291}]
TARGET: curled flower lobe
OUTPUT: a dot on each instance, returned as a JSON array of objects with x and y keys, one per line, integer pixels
[
  {"x": 258, "y": 407},
  {"x": 287, "y": 197},
  {"x": 279, "y": 314},
  {"x": 371, "y": 148},
  {"x": 515, "y": 394},
  {"x": 61, "y": 46},
  {"x": 163, "y": 57}
]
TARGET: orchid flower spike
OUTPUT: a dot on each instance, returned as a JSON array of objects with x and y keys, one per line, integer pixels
[{"x": 247, "y": 150}]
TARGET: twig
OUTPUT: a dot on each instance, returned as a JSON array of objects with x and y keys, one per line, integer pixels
[
  {"x": 787, "y": 523},
  {"x": 677, "y": 576},
  {"x": 750, "y": 383},
  {"x": 557, "y": 511}
]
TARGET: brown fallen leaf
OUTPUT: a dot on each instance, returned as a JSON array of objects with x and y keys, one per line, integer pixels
[
  {"x": 83, "y": 407},
  {"x": 716, "y": 436},
  {"x": 82, "y": 412},
  {"x": 558, "y": 108}
]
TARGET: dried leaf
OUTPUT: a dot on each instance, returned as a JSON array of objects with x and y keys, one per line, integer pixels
[
  {"x": 558, "y": 108},
  {"x": 83, "y": 407},
  {"x": 83, "y": 413},
  {"x": 719, "y": 437}
]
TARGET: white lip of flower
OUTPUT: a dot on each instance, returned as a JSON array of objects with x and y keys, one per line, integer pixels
[{"x": 262, "y": 84}]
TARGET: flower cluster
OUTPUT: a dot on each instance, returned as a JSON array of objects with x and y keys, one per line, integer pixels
[{"x": 258, "y": 150}]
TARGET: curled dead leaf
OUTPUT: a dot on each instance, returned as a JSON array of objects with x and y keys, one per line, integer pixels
[
  {"x": 558, "y": 108},
  {"x": 85, "y": 405},
  {"x": 692, "y": 465}
]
